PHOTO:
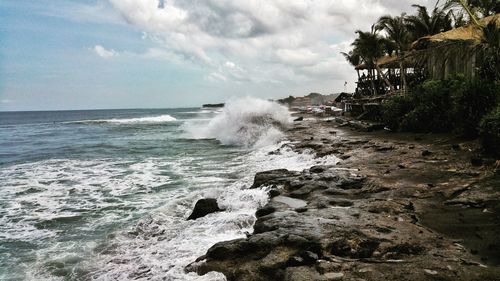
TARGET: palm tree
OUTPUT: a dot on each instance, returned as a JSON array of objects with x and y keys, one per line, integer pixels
[
  {"x": 422, "y": 24},
  {"x": 370, "y": 47},
  {"x": 353, "y": 58},
  {"x": 475, "y": 8},
  {"x": 397, "y": 33}
]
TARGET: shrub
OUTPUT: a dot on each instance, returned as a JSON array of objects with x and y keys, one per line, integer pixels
[
  {"x": 394, "y": 108},
  {"x": 472, "y": 103},
  {"x": 490, "y": 131},
  {"x": 425, "y": 109}
]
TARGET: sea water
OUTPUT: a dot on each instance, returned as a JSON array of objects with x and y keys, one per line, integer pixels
[{"x": 104, "y": 194}]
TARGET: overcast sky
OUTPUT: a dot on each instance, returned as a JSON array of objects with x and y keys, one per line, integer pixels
[{"x": 67, "y": 54}]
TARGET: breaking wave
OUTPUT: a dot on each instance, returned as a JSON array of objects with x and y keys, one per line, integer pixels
[
  {"x": 247, "y": 122},
  {"x": 149, "y": 119}
]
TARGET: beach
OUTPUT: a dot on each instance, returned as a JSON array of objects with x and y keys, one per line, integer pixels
[{"x": 395, "y": 207}]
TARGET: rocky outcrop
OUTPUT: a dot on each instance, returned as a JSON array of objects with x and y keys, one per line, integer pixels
[
  {"x": 204, "y": 207},
  {"x": 335, "y": 222}
]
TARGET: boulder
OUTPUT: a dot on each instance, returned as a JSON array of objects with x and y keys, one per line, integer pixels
[{"x": 204, "y": 207}]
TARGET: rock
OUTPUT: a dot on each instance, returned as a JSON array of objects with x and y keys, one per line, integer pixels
[
  {"x": 430, "y": 272},
  {"x": 426, "y": 153},
  {"x": 384, "y": 148},
  {"x": 301, "y": 210},
  {"x": 456, "y": 147},
  {"x": 309, "y": 257},
  {"x": 401, "y": 166},
  {"x": 273, "y": 192},
  {"x": 204, "y": 207},
  {"x": 298, "y": 119},
  {"x": 334, "y": 276},
  {"x": 317, "y": 169},
  {"x": 264, "y": 211},
  {"x": 476, "y": 161},
  {"x": 273, "y": 177}
]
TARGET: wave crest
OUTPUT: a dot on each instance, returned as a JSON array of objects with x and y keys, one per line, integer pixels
[
  {"x": 248, "y": 122},
  {"x": 148, "y": 119}
]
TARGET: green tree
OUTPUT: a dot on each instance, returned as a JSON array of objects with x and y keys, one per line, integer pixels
[
  {"x": 424, "y": 24},
  {"x": 370, "y": 46},
  {"x": 397, "y": 33}
]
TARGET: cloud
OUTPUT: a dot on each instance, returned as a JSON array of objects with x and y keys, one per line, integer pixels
[
  {"x": 104, "y": 53},
  {"x": 6, "y": 101},
  {"x": 284, "y": 41}
]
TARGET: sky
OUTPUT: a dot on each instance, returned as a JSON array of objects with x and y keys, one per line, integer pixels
[{"x": 99, "y": 54}]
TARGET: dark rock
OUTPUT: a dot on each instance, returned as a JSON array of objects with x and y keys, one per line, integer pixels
[
  {"x": 298, "y": 119},
  {"x": 476, "y": 161},
  {"x": 273, "y": 192},
  {"x": 384, "y": 148},
  {"x": 309, "y": 257},
  {"x": 401, "y": 166},
  {"x": 456, "y": 147},
  {"x": 426, "y": 153},
  {"x": 301, "y": 210},
  {"x": 264, "y": 211},
  {"x": 273, "y": 177},
  {"x": 295, "y": 261},
  {"x": 317, "y": 169},
  {"x": 204, "y": 207}
]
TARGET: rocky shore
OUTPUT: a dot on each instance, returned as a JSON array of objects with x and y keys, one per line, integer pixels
[{"x": 395, "y": 207}]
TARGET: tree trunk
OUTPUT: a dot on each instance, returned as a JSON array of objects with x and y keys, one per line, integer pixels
[
  {"x": 374, "y": 88},
  {"x": 403, "y": 75}
]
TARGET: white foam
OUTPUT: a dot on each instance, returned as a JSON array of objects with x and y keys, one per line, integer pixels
[
  {"x": 248, "y": 122},
  {"x": 164, "y": 257},
  {"x": 149, "y": 119}
]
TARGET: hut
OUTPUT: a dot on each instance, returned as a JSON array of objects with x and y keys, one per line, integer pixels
[
  {"x": 435, "y": 56},
  {"x": 391, "y": 68}
]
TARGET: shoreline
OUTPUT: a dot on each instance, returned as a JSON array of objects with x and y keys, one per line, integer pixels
[{"x": 396, "y": 207}]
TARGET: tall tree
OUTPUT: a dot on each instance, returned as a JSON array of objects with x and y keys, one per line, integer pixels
[
  {"x": 370, "y": 47},
  {"x": 397, "y": 33},
  {"x": 423, "y": 23}
]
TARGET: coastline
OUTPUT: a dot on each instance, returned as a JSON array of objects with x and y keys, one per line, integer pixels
[{"x": 396, "y": 207}]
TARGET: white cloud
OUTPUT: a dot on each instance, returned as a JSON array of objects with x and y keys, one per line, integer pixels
[
  {"x": 259, "y": 40},
  {"x": 104, "y": 53}
]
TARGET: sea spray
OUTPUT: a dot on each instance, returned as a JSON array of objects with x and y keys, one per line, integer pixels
[{"x": 248, "y": 122}]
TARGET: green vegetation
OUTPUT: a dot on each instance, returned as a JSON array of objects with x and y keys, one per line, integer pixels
[
  {"x": 490, "y": 131},
  {"x": 471, "y": 107}
]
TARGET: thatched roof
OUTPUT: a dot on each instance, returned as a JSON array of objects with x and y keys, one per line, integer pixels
[
  {"x": 465, "y": 33},
  {"x": 383, "y": 62},
  {"x": 391, "y": 62}
]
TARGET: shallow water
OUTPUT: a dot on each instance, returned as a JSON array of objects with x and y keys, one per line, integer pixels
[{"x": 104, "y": 194}]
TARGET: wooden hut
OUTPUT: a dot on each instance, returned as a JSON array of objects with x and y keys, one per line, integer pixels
[{"x": 433, "y": 51}]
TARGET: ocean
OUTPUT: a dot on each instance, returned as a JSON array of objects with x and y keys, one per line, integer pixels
[{"x": 104, "y": 194}]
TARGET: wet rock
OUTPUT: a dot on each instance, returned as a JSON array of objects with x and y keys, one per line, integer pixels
[
  {"x": 456, "y": 147},
  {"x": 298, "y": 119},
  {"x": 204, "y": 207},
  {"x": 334, "y": 276},
  {"x": 264, "y": 211},
  {"x": 317, "y": 169},
  {"x": 426, "y": 153},
  {"x": 301, "y": 210},
  {"x": 384, "y": 148},
  {"x": 273, "y": 177},
  {"x": 476, "y": 161},
  {"x": 273, "y": 192}
]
